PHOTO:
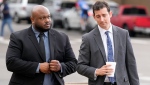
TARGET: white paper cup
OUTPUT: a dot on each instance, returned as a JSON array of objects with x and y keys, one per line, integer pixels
[{"x": 113, "y": 66}]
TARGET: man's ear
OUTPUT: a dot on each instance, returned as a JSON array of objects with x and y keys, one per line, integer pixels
[
  {"x": 32, "y": 19},
  {"x": 93, "y": 15},
  {"x": 111, "y": 14}
]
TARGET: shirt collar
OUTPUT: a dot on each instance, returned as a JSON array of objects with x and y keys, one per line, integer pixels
[
  {"x": 102, "y": 31},
  {"x": 37, "y": 32}
]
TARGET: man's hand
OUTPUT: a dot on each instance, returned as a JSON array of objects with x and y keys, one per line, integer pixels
[
  {"x": 55, "y": 65},
  {"x": 104, "y": 70},
  {"x": 44, "y": 67}
]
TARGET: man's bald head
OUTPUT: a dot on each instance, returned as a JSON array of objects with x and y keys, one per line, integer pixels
[
  {"x": 38, "y": 9},
  {"x": 41, "y": 18}
]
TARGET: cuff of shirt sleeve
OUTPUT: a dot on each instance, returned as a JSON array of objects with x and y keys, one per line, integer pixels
[
  {"x": 38, "y": 68},
  {"x": 61, "y": 69},
  {"x": 95, "y": 76}
]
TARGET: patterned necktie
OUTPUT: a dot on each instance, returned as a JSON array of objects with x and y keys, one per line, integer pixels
[
  {"x": 110, "y": 54},
  {"x": 41, "y": 44}
]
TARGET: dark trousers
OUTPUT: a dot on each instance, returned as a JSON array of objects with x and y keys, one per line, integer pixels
[{"x": 109, "y": 83}]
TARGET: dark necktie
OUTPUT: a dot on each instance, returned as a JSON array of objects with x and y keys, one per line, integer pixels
[
  {"x": 110, "y": 53},
  {"x": 41, "y": 44}
]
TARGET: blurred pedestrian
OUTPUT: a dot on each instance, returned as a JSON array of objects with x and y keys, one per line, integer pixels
[
  {"x": 40, "y": 55},
  {"x": 84, "y": 7},
  {"x": 107, "y": 43},
  {"x": 6, "y": 19}
]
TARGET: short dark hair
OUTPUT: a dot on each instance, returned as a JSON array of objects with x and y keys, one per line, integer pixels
[{"x": 99, "y": 5}]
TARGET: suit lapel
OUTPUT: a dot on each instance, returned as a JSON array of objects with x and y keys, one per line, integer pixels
[
  {"x": 116, "y": 42},
  {"x": 35, "y": 42},
  {"x": 99, "y": 42},
  {"x": 52, "y": 44}
]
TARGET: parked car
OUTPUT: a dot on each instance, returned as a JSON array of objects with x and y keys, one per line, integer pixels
[
  {"x": 71, "y": 18},
  {"x": 57, "y": 8},
  {"x": 21, "y": 9},
  {"x": 133, "y": 18}
]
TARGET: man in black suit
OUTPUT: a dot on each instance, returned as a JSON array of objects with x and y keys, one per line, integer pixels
[{"x": 39, "y": 55}]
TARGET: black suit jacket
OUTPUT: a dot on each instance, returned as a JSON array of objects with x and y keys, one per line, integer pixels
[{"x": 23, "y": 56}]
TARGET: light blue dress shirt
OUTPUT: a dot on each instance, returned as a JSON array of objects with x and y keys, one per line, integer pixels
[{"x": 48, "y": 80}]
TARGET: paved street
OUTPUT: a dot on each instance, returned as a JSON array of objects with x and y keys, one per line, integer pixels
[{"x": 141, "y": 46}]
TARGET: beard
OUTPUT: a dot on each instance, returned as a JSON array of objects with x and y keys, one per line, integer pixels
[{"x": 40, "y": 28}]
